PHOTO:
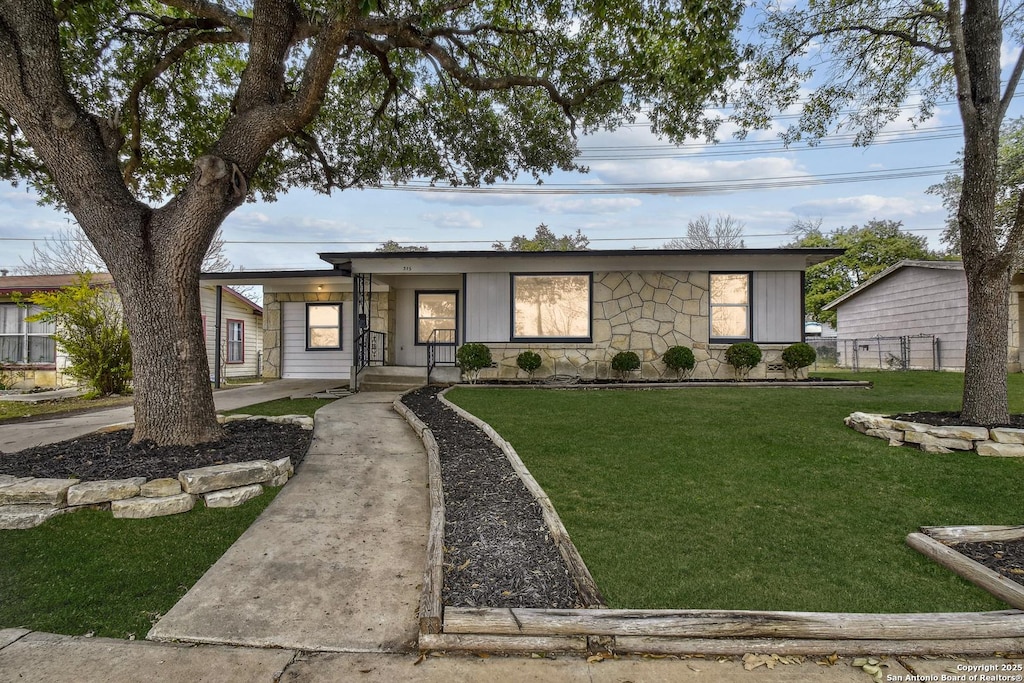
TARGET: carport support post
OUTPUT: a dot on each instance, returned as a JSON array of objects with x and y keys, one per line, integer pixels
[
  {"x": 216, "y": 340},
  {"x": 353, "y": 382}
]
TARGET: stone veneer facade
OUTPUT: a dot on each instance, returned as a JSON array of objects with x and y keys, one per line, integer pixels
[
  {"x": 382, "y": 317},
  {"x": 643, "y": 312}
]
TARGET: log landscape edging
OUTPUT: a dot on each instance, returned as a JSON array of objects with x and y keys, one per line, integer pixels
[
  {"x": 681, "y": 632},
  {"x": 27, "y": 502}
]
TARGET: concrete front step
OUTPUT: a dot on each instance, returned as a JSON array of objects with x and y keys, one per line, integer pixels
[{"x": 392, "y": 378}]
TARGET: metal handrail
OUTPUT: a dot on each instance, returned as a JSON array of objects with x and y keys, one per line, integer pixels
[
  {"x": 370, "y": 346},
  {"x": 440, "y": 349}
]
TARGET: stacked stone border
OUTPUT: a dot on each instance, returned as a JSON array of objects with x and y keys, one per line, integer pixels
[
  {"x": 1004, "y": 442},
  {"x": 27, "y": 502},
  {"x": 685, "y": 632}
]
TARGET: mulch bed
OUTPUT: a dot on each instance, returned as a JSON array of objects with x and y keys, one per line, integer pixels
[
  {"x": 113, "y": 456},
  {"x": 1004, "y": 557},
  {"x": 950, "y": 419},
  {"x": 497, "y": 549}
]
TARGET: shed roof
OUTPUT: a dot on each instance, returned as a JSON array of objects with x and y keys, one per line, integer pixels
[
  {"x": 26, "y": 284},
  {"x": 906, "y": 263}
]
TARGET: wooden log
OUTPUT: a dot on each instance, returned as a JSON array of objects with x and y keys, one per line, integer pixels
[
  {"x": 734, "y": 624},
  {"x": 587, "y": 588},
  {"x": 431, "y": 611},
  {"x": 974, "y": 534},
  {"x": 780, "y": 646},
  {"x": 482, "y": 643},
  {"x": 1010, "y": 592}
]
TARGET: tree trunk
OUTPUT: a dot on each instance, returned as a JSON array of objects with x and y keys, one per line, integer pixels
[{"x": 985, "y": 264}]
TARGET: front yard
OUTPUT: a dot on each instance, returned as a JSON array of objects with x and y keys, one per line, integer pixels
[{"x": 751, "y": 498}]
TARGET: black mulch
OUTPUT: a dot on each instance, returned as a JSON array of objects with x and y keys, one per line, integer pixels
[
  {"x": 113, "y": 456},
  {"x": 1004, "y": 557},
  {"x": 950, "y": 419},
  {"x": 497, "y": 549}
]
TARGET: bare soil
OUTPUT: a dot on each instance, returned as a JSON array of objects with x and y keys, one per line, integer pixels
[
  {"x": 113, "y": 456},
  {"x": 497, "y": 549}
]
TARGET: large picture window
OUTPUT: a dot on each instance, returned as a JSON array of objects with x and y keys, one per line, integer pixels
[
  {"x": 236, "y": 341},
  {"x": 436, "y": 315},
  {"x": 551, "y": 306},
  {"x": 323, "y": 326},
  {"x": 23, "y": 342},
  {"x": 730, "y": 306}
]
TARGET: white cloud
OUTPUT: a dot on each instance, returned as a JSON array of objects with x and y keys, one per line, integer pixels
[
  {"x": 1008, "y": 54},
  {"x": 689, "y": 171},
  {"x": 597, "y": 206},
  {"x": 452, "y": 219},
  {"x": 868, "y": 206}
]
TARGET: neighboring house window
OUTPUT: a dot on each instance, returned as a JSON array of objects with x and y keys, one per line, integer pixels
[
  {"x": 236, "y": 341},
  {"x": 551, "y": 306},
  {"x": 323, "y": 326},
  {"x": 730, "y": 306},
  {"x": 436, "y": 311},
  {"x": 22, "y": 342}
]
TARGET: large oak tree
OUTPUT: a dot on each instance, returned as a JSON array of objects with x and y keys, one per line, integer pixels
[
  {"x": 151, "y": 121},
  {"x": 863, "y": 61}
]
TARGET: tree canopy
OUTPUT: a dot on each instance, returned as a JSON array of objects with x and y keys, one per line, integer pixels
[
  {"x": 545, "y": 240},
  {"x": 869, "y": 250}
]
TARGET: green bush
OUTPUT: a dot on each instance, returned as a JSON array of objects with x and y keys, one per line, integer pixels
[
  {"x": 743, "y": 356},
  {"x": 472, "y": 358},
  {"x": 625, "y": 361},
  {"x": 680, "y": 359},
  {"x": 90, "y": 329},
  {"x": 797, "y": 356},
  {"x": 529, "y": 362}
]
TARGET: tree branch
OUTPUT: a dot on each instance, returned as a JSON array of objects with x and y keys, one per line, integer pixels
[
  {"x": 1011, "y": 85},
  {"x": 213, "y": 10},
  {"x": 960, "y": 66}
]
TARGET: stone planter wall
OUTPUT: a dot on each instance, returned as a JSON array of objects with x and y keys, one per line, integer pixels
[
  {"x": 27, "y": 502},
  {"x": 999, "y": 442}
]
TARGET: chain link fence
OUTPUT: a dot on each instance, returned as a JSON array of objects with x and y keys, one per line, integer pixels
[{"x": 910, "y": 352}]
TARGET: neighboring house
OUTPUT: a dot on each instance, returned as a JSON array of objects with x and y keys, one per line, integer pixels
[
  {"x": 27, "y": 349},
  {"x": 916, "y": 302},
  {"x": 576, "y": 309}
]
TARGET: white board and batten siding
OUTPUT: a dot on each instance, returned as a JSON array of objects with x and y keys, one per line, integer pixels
[
  {"x": 912, "y": 301},
  {"x": 778, "y": 313},
  {"x": 488, "y": 306},
  {"x": 299, "y": 363}
]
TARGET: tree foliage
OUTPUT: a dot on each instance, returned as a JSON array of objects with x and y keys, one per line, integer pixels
[
  {"x": 869, "y": 250},
  {"x": 545, "y": 240},
  {"x": 152, "y": 120},
  {"x": 89, "y": 327},
  {"x": 393, "y": 246},
  {"x": 703, "y": 232}
]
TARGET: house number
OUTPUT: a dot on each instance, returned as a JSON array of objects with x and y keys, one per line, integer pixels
[{"x": 406, "y": 267}]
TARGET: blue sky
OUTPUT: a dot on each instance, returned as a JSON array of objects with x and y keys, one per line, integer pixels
[{"x": 287, "y": 234}]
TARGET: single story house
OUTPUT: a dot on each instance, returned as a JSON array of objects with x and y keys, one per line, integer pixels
[
  {"x": 576, "y": 309},
  {"x": 914, "y": 314},
  {"x": 29, "y": 354}
]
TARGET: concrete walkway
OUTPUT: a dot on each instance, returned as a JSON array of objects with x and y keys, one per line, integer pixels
[
  {"x": 16, "y": 436},
  {"x": 336, "y": 561}
]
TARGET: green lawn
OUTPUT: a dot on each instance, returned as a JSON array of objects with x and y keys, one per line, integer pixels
[
  {"x": 88, "y": 572},
  {"x": 751, "y": 498}
]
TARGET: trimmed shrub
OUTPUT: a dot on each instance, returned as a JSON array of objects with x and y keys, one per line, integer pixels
[
  {"x": 472, "y": 358},
  {"x": 529, "y": 362},
  {"x": 797, "y": 356},
  {"x": 743, "y": 356},
  {"x": 680, "y": 359},
  {"x": 625, "y": 361}
]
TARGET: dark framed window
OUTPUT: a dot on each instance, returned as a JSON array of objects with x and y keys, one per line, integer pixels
[
  {"x": 729, "y": 309},
  {"x": 437, "y": 314},
  {"x": 551, "y": 307},
  {"x": 23, "y": 342},
  {"x": 323, "y": 326},
  {"x": 236, "y": 341}
]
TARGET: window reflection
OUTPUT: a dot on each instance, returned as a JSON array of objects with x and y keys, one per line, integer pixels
[{"x": 556, "y": 306}]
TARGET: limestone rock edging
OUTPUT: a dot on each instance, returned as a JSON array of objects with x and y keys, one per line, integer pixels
[
  {"x": 999, "y": 441},
  {"x": 27, "y": 502}
]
